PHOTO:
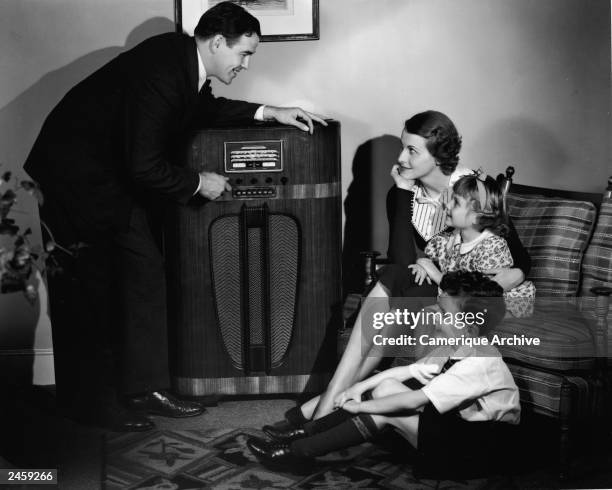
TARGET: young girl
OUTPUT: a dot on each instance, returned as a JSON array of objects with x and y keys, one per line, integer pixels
[
  {"x": 477, "y": 216},
  {"x": 459, "y": 422}
]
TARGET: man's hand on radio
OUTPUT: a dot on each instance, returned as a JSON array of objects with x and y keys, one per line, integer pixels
[
  {"x": 293, "y": 116},
  {"x": 212, "y": 185}
]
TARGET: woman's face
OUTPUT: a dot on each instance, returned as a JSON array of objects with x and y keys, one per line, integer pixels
[{"x": 415, "y": 160}]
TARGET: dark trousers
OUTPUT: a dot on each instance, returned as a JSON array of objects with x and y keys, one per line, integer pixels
[{"x": 108, "y": 311}]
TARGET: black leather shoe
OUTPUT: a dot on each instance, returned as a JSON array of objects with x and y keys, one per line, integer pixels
[
  {"x": 164, "y": 404},
  {"x": 112, "y": 417},
  {"x": 277, "y": 454},
  {"x": 122, "y": 420},
  {"x": 282, "y": 434}
]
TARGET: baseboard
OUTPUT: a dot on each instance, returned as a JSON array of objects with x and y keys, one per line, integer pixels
[{"x": 34, "y": 366}]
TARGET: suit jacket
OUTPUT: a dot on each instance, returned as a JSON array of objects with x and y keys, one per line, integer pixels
[{"x": 114, "y": 137}]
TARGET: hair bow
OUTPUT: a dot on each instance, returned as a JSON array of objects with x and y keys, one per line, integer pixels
[{"x": 481, "y": 178}]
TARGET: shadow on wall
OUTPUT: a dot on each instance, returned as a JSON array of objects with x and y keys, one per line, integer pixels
[
  {"x": 20, "y": 121},
  {"x": 367, "y": 190},
  {"x": 537, "y": 155}
]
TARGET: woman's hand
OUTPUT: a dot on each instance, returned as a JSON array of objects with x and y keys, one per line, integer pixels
[
  {"x": 350, "y": 394},
  {"x": 505, "y": 277},
  {"x": 401, "y": 182},
  {"x": 420, "y": 274}
]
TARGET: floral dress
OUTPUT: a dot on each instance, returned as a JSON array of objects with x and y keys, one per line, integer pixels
[{"x": 487, "y": 251}]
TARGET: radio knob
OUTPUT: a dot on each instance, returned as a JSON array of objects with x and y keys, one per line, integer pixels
[
  {"x": 269, "y": 180},
  {"x": 284, "y": 180}
]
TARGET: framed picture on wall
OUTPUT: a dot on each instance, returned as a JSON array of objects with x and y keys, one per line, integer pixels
[{"x": 281, "y": 20}]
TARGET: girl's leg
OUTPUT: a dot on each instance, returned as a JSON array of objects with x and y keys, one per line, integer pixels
[
  {"x": 395, "y": 280},
  {"x": 350, "y": 364}
]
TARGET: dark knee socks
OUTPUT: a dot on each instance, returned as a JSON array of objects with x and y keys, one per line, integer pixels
[
  {"x": 348, "y": 430},
  {"x": 295, "y": 416}
]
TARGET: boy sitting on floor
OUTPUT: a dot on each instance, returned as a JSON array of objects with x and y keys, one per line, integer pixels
[{"x": 460, "y": 421}]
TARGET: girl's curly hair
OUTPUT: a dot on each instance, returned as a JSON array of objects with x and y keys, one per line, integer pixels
[
  {"x": 443, "y": 140},
  {"x": 491, "y": 213}
]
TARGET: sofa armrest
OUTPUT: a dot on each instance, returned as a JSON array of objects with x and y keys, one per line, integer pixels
[{"x": 602, "y": 305}]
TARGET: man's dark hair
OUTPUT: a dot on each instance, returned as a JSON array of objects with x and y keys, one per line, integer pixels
[
  {"x": 443, "y": 140},
  {"x": 484, "y": 296},
  {"x": 229, "y": 20}
]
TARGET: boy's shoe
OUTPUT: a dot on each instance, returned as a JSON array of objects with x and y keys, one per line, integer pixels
[
  {"x": 278, "y": 455},
  {"x": 284, "y": 434}
]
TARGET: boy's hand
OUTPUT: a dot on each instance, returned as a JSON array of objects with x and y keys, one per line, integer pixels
[
  {"x": 350, "y": 394},
  {"x": 420, "y": 274},
  {"x": 351, "y": 406},
  {"x": 423, "y": 373}
]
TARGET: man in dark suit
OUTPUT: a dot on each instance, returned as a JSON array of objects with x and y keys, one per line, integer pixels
[{"x": 105, "y": 157}]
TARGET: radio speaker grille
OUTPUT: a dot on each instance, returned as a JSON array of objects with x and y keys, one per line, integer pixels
[{"x": 255, "y": 281}]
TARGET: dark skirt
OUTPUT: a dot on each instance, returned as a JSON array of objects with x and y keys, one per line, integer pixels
[{"x": 404, "y": 293}]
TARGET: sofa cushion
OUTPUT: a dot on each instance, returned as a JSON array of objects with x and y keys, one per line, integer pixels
[
  {"x": 566, "y": 340},
  {"x": 556, "y": 233}
]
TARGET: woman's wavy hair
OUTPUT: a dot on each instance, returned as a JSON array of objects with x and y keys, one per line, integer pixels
[
  {"x": 443, "y": 140},
  {"x": 489, "y": 205}
]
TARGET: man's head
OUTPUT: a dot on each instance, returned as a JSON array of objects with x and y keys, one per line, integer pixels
[{"x": 228, "y": 36}]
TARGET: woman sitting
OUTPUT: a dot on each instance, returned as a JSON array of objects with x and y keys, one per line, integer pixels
[{"x": 424, "y": 176}]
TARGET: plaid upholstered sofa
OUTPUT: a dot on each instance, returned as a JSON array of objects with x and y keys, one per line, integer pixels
[{"x": 569, "y": 238}]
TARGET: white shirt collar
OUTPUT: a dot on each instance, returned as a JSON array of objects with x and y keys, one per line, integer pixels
[
  {"x": 465, "y": 247},
  {"x": 201, "y": 70}
]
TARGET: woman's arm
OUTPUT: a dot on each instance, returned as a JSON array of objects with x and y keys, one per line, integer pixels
[
  {"x": 402, "y": 248},
  {"x": 505, "y": 276},
  {"x": 519, "y": 253}
]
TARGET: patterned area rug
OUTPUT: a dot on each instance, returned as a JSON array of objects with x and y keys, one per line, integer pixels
[{"x": 193, "y": 459}]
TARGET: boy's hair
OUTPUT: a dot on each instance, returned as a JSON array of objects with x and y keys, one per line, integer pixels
[
  {"x": 443, "y": 140},
  {"x": 484, "y": 296},
  {"x": 489, "y": 205},
  {"x": 229, "y": 20}
]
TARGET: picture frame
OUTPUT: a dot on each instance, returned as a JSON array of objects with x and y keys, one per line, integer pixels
[{"x": 281, "y": 20}]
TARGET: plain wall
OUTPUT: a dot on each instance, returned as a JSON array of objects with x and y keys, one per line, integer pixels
[
  {"x": 526, "y": 81},
  {"x": 47, "y": 46}
]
